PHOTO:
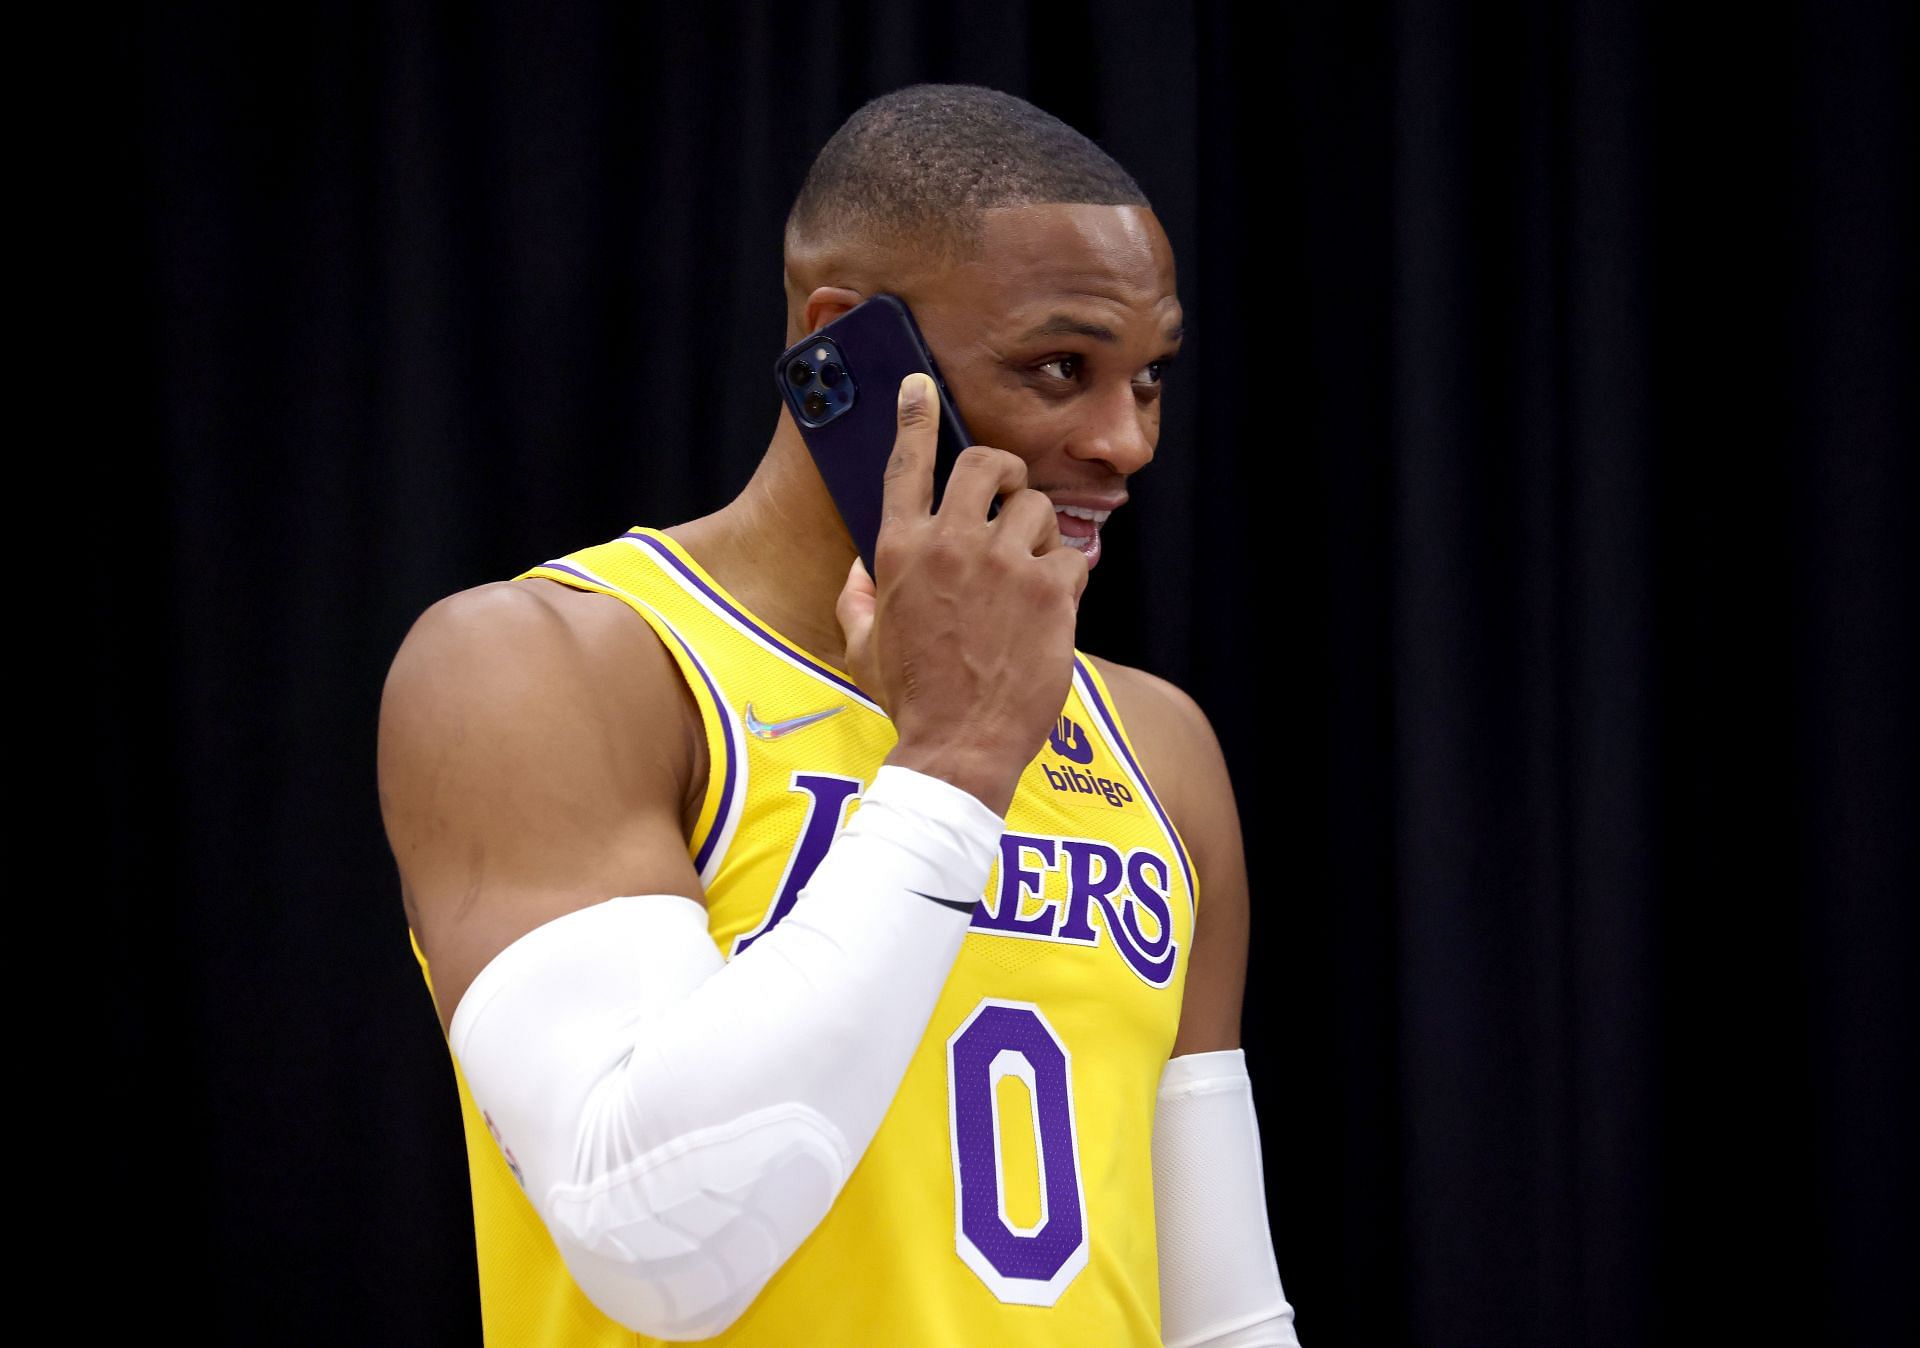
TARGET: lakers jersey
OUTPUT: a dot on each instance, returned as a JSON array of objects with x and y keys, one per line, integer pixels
[{"x": 1008, "y": 1196}]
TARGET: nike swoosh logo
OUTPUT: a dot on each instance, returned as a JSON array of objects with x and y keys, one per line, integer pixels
[
  {"x": 773, "y": 730},
  {"x": 954, "y": 904}
]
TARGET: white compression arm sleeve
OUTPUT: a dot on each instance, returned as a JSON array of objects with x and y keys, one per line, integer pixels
[
  {"x": 1219, "y": 1283},
  {"x": 682, "y": 1124}
]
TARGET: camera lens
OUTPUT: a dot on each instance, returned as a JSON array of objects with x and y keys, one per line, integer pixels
[
  {"x": 799, "y": 373},
  {"x": 831, "y": 374},
  {"x": 816, "y": 404}
]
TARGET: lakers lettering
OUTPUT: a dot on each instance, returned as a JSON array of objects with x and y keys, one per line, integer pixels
[
  {"x": 1123, "y": 895},
  {"x": 1097, "y": 889}
]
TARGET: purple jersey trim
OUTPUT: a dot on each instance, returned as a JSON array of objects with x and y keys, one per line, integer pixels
[
  {"x": 745, "y": 619},
  {"x": 1119, "y": 741},
  {"x": 718, "y": 830}
]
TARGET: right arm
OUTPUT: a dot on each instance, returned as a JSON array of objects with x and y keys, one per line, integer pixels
[
  {"x": 537, "y": 750},
  {"x": 680, "y": 1124}
]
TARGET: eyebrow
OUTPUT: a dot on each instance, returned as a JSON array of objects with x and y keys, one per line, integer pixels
[{"x": 1061, "y": 325}]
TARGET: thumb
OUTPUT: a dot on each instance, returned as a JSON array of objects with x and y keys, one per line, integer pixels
[{"x": 855, "y": 607}]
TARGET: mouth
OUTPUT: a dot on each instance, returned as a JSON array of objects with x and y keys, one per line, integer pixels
[{"x": 1080, "y": 528}]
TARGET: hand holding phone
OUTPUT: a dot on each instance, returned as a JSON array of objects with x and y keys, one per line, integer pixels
[
  {"x": 966, "y": 635},
  {"x": 841, "y": 385}
]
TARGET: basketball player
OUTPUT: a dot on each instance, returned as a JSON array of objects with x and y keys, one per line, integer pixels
[{"x": 832, "y": 962}]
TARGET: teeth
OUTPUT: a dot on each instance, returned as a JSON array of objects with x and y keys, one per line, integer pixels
[
  {"x": 1082, "y": 513},
  {"x": 1081, "y": 543}
]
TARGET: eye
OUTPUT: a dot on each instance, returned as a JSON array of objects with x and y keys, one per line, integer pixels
[
  {"x": 1063, "y": 367},
  {"x": 1153, "y": 374}
]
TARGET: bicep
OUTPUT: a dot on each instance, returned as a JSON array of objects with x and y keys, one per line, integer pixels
[
  {"x": 519, "y": 783},
  {"x": 1182, "y": 756},
  {"x": 1217, "y": 965}
]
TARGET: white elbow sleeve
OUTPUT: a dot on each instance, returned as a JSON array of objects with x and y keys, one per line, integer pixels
[
  {"x": 1219, "y": 1282},
  {"x": 682, "y": 1123}
]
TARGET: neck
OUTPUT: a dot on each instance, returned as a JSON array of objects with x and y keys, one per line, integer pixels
[{"x": 780, "y": 548}]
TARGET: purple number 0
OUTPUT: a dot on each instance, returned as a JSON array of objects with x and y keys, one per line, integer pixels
[{"x": 1027, "y": 1265}]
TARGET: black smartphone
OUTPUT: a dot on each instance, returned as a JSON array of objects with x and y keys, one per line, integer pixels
[{"x": 842, "y": 385}]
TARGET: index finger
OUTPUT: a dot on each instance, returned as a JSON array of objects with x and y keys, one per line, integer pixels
[{"x": 907, "y": 488}]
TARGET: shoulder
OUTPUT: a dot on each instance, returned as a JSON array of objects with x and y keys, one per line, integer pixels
[
  {"x": 1177, "y": 747},
  {"x": 516, "y": 645},
  {"x": 1148, "y": 697},
  {"x": 510, "y": 623},
  {"x": 510, "y": 676},
  {"x": 536, "y": 755}
]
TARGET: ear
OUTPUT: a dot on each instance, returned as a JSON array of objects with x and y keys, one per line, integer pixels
[{"x": 825, "y": 304}]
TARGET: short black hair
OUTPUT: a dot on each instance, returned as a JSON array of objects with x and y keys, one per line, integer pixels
[{"x": 920, "y": 164}]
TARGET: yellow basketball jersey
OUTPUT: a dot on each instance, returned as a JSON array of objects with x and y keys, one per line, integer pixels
[{"x": 1008, "y": 1196}]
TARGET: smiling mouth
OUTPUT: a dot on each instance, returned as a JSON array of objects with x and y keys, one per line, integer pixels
[{"x": 1080, "y": 528}]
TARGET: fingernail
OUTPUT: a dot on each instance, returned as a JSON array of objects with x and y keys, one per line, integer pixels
[{"x": 912, "y": 394}]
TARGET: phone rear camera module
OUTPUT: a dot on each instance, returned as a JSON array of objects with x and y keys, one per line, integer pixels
[{"x": 816, "y": 383}]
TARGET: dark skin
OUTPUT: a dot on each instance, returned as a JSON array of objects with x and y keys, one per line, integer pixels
[{"x": 539, "y": 751}]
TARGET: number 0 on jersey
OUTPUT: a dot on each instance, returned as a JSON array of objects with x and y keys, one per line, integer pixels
[{"x": 1027, "y": 1265}]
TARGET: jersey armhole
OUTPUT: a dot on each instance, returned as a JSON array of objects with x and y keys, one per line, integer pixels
[
  {"x": 420, "y": 958},
  {"x": 721, "y": 758},
  {"x": 1107, "y": 713}
]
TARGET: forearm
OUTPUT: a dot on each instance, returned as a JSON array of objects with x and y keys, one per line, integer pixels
[
  {"x": 1219, "y": 1282},
  {"x": 682, "y": 1124}
]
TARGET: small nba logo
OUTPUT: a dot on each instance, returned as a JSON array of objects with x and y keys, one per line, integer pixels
[
  {"x": 1070, "y": 742},
  {"x": 505, "y": 1150}
]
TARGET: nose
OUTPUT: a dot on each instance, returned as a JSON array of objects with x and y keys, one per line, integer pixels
[{"x": 1120, "y": 430}]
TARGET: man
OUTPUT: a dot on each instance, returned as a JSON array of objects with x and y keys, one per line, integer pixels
[{"x": 795, "y": 998}]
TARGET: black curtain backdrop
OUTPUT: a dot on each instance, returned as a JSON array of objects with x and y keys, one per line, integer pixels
[{"x": 1534, "y": 518}]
